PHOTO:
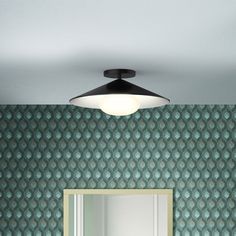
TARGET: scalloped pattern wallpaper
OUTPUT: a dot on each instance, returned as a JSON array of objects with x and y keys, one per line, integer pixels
[{"x": 44, "y": 149}]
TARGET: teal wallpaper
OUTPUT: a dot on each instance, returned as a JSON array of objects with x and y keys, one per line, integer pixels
[{"x": 44, "y": 149}]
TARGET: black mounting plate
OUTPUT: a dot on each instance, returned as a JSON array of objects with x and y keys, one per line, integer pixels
[{"x": 119, "y": 73}]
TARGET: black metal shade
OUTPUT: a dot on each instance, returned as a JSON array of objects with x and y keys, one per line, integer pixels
[{"x": 147, "y": 99}]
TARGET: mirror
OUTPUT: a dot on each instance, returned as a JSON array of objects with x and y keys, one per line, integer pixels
[{"x": 118, "y": 212}]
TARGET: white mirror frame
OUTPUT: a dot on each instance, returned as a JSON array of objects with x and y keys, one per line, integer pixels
[{"x": 79, "y": 200}]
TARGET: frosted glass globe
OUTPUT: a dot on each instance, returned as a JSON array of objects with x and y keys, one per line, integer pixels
[{"x": 119, "y": 104}]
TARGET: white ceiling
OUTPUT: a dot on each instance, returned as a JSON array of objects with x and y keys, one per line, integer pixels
[{"x": 52, "y": 50}]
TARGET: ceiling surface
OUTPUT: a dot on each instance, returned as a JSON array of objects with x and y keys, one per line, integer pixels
[{"x": 53, "y": 50}]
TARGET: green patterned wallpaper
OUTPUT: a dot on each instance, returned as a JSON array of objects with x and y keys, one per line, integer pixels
[{"x": 44, "y": 149}]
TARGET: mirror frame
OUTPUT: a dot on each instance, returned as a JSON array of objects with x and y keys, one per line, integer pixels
[{"x": 67, "y": 192}]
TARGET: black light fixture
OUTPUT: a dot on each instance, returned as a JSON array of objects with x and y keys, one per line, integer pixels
[{"x": 119, "y": 97}]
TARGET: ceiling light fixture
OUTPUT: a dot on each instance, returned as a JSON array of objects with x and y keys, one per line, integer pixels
[{"x": 119, "y": 97}]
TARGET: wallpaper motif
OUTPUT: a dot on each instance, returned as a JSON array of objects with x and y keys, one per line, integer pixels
[{"x": 44, "y": 149}]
